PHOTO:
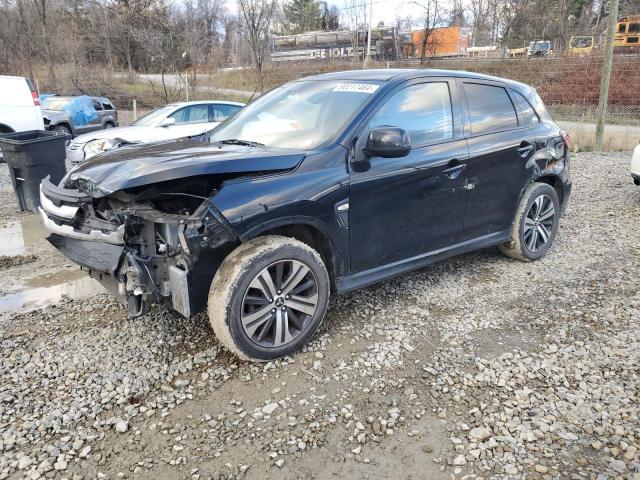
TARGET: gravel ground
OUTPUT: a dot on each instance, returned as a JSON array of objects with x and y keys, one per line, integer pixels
[{"x": 476, "y": 367}]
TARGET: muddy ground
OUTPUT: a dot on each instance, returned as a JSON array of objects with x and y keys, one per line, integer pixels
[{"x": 475, "y": 367}]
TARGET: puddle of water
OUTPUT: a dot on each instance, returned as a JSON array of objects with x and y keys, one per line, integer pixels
[
  {"x": 56, "y": 278},
  {"x": 39, "y": 292},
  {"x": 17, "y": 238},
  {"x": 27, "y": 236}
]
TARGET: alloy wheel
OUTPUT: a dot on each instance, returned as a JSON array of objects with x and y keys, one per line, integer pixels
[
  {"x": 538, "y": 223},
  {"x": 279, "y": 303}
]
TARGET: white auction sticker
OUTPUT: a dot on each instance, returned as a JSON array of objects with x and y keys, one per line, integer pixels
[{"x": 356, "y": 87}]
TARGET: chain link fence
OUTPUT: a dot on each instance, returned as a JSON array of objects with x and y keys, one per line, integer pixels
[{"x": 616, "y": 114}]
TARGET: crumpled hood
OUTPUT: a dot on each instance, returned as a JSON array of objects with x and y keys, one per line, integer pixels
[{"x": 152, "y": 163}]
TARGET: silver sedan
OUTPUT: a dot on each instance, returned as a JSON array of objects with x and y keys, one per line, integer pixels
[{"x": 176, "y": 120}]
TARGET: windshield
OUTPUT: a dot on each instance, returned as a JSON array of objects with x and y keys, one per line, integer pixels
[
  {"x": 150, "y": 119},
  {"x": 302, "y": 114},
  {"x": 540, "y": 46},
  {"x": 56, "y": 104}
]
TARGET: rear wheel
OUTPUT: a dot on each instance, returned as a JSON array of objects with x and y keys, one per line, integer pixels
[
  {"x": 268, "y": 297},
  {"x": 535, "y": 225}
]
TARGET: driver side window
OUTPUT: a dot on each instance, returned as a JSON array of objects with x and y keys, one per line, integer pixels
[
  {"x": 191, "y": 114},
  {"x": 422, "y": 110}
]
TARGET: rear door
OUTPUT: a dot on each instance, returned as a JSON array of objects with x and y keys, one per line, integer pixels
[
  {"x": 109, "y": 112},
  {"x": 96, "y": 122},
  {"x": 220, "y": 112},
  {"x": 401, "y": 208},
  {"x": 500, "y": 147}
]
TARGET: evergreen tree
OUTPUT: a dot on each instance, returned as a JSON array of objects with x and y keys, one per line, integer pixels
[{"x": 303, "y": 16}]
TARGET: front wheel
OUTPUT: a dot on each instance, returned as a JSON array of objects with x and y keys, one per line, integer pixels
[
  {"x": 535, "y": 225},
  {"x": 268, "y": 297}
]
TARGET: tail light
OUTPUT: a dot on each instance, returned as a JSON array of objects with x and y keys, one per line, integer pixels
[
  {"x": 34, "y": 93},
  {"x": 566, "y": 138},
  {"x": 115, "y": 115}
]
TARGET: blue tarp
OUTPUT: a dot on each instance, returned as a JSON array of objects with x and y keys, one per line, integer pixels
[{"x": 80, "y": 108}]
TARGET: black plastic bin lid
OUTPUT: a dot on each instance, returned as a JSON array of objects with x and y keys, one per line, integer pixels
[{"x": 30, "y": 136}]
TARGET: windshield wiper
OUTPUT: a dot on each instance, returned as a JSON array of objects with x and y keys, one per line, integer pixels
[{"x": 237, "y": 141}]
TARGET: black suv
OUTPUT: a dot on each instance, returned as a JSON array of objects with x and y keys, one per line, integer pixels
[{"x": 332, "y": 182}]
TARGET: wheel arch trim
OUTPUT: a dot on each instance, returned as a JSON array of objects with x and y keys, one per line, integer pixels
[{"x": 305, "y": 221}]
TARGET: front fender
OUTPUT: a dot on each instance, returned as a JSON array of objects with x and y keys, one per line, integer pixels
[{"x": 307, "y": 196}]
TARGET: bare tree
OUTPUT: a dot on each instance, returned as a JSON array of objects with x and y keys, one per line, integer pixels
[
  {"x": 355, "y": 12},
  {"x": 47, "y": 39},
  {"x": 404, "y": 39},
  {"x": 478, "y": 9},
  {"x": 432, "y": 16},
  {"x": 256, "y": 16}
]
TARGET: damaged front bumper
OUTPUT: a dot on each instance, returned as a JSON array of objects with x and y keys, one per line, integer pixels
[{"x": 140, "y": 254}]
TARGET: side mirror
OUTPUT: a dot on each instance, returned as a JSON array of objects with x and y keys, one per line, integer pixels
[
  {"x": 167, "y": 122},
  {"x": 388, "y": 142}
]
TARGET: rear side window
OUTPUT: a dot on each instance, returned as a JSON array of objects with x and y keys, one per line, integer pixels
[
  {"x": 423, "y": 110},
  {"x": 222, "y": 112},
  {"x": 490, "y": 108},
  {"x": 106, "y": 105},
  {"x": 529, "y": 115}
]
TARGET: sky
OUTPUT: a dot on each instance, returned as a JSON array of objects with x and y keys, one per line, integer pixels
[{"x": 383, "y": 10}]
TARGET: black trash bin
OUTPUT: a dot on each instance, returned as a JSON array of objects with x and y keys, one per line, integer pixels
[{"x": 31, "y": 156}]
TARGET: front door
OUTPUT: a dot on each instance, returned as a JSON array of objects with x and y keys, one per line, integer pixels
[
  {"x": 401, "y": 208},
  {"x": 190, "y": 121}
]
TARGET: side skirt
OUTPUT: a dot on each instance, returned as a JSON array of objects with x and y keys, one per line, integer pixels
[{"x": 390, "y": 270}]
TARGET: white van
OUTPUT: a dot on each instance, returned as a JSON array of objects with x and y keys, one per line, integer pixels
[{"x": 19, "y": 105}]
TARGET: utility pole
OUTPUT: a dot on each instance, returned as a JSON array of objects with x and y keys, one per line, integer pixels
[
  {"x": 367, "y": 58},
  {"x": 606, "y": 74},
  {"x": 186, "y": 76}
]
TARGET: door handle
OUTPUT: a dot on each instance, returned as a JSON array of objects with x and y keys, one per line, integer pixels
[
  {"x": 525, "y": 149},
  {"x": 454, "y": 169}
]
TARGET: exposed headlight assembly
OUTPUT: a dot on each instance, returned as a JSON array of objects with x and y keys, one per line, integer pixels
[
  {"x": 94, "y": 147},
  {"x": 90, "y": 188}
]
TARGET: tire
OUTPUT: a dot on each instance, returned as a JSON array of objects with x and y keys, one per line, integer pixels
[
  {"x": 61, "y": 130},
  {"x": 258, "y": 328},
  {"x": 108, "y": 125},
  {"x": 533, "y": 231}
]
